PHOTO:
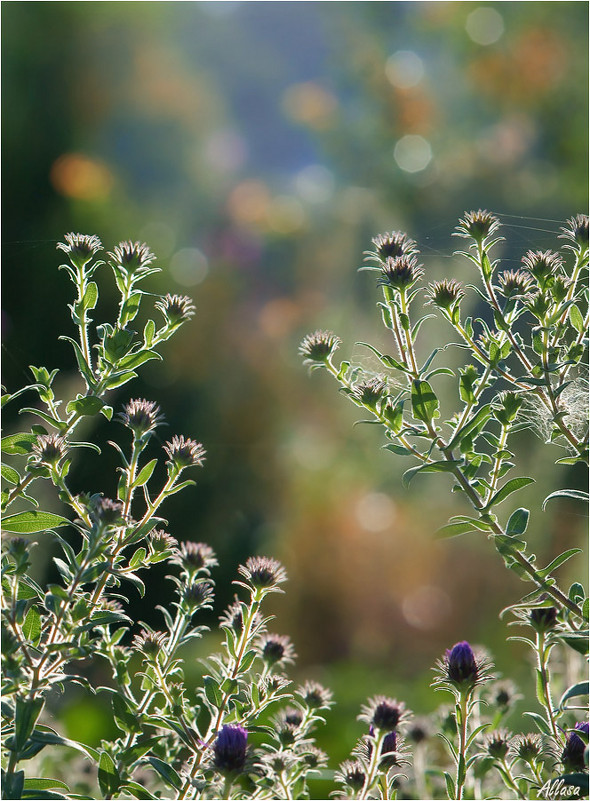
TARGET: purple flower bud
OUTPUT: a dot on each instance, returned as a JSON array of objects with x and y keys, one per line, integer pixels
[
  {"x": 461, "y": 667},
  {"x": 573, "y": 753},
  {"x": 230, "y": 749}
]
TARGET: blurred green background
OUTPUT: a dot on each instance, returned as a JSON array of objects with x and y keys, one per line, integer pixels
[{"x": 257, "y": 147}]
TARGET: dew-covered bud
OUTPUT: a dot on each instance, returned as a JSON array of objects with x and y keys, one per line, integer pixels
[
  {"x": 572, "y": 757},
  {"x": 318, "y": 347},
  {"x": 80, "y": 248},
  {"x": 400, "y": 273},
  {"x": 176, "y": 308},
  {"x": 230, "y": 750},
  {"x": 141, "y": 416},
  {"x": 132, "y": 257},
  {"x": 477, "y": 225},
  {"x": 184, "y": 453}
]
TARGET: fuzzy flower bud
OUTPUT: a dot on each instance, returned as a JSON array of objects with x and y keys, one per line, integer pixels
[
  {"x": 477, "y": 225},
  {"x": 383, "y": 713},
  {"x": 80, "y": 248},
  {"x": 141, "y": 416},
  {"x": 176, "y": 308},
  {"x": 319, "y": 346},
  {"x": 150, "y": 643},
  {"x": 528, "y": 747},
  {"x": 132, "y": 257},
  {"x": 461, "y": 669},
  {"x": 497, "y": 745},
  {"x": 506, "y": 406},
  {"x": 315, "y": 696},
  {"x": 263, "y": 573},
  {"x": 184, "y": 453},
  {"x": 49, "y": 449},
  {"x": 400, "y": 273},
  {"x": 195, "y": 557},
  {"x": 276, "y": 649},
  {"x": 514, "y": 283},
  {"x": 352, "y": 773},
  {"x": 445, "y": 293},
  {"x": 107, "y": 512},
  {"x": 544, "y": 266},
  {"x": 230, "y": 750},
  {"x": 391, "y": 246},
  {"x": 576, "y": 230},
  {"x": 370, "y": 392}
]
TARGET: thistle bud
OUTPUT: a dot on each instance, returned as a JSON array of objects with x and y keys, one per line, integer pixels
[
  {"x": 80, "y": 248},
  {"x": 276, "y": 649},
  {"x": 576, "y": 230},
  {"x": 514, "y": 283},
  {"x": 461, "y": 670},
  {"x": 506, "y": 406},
  {"x": 544, "y": 266},
  {"x": 543, "y": 618},
  {"x": 141, "y": 416},
  {"x": 184, "y": 453},
  {"x": 477, "y": 225},
  {"x": 263, "y": 573},
  {"x": 132, "y": 257},
  {"x": 315, "y": 696},
  {"x": 230, "y": 750},
  {"x": 444, "y": 294},
  {"x": 176, "y": 308},
  {"x": 49, "y": 449},
  {"x": 400, "y": 273},
  {"x": 370, "y": 392},
  {"x": 319, "y": 346},
  {"x": 573, "y": 757},
  {"x": 391, "y": 246},
  {"x": 383, "y": 713},
  {"x": 352, "y": 773}
]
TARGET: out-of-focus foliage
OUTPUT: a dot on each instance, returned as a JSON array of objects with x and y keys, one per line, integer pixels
[{"x": 257, "y": 148}]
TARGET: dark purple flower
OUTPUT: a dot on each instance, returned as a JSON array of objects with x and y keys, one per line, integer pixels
[
  {"x": 230, "y": 749},
  {"x": 461, "y": 667},
  {"x": 543, "y": 618},
  {"x": 383, "y": 713},
  {"x": 573, "y": 753}
]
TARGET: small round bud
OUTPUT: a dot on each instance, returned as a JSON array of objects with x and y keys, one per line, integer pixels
[
  {"x": 544, "y": 266},
  {"x": 445, "y": 293},
  {"x": 572, "y": 756},
  {"x": 383, "y": 713},
  {"x": 461, "y": 669},
  {"x": 195, "y": 557},
  {"x": 159, "y": 542},
  {"x": 528, "y": 747},
  {"x": 150, "y": 643},
  {"x": 514, "y": 283},
  {"x": 315, "y": 696},
  {"x": 370, "y": 392},
  {"x": 506, "y": 406},
  {"x": 497, "y": 745},
  {"x": 106, "y": 512},
  {"x": 392, "y": 246},
  {"x": 198, "y": 595},
  {"x": 352, "y": 773}
]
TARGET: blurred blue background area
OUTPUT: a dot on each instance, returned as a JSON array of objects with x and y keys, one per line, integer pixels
[{"x": 257, "y": 147}]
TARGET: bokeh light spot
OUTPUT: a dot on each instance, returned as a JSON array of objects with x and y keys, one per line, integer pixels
[
  {"x": 484, "y": 26},
  {"x": 426, "y": 607},
  {"x": 375, "y": 511},
  {"x": 310, "y": 104},
  {"x": 189, "y": 266},
  {"x": 78, "y": 176},
  {"x": 226, "y": 151},
  {"x": 249, "y": 202},
  {"x": 314, "y": 183},
  {"x": 412, "y": 153},
  {"x": 404, "y": 69},
  {"x": 286, "y": 215}
]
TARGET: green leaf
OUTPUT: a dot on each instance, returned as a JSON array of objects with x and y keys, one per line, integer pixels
[
  {"x": 108, "y": 776},
  {"x": 118, "y": 379},
  {"x": 82, "y": 363},
  {"x": 582, "y": 688},
  {"x": 133, "y": 361},
  {"x": 432, "y": 467},
  {"x": 509, "y": 487},
  {"x": 87, "y": 406},
  {"x": 424, "y": 402},
  {"x": 517, "y": 523},
  {"x": 10, "y": 474},
  {"x": 18, "y": 444},
  {"x": 148, "y": 333},
  {"x": 25, "y": 717},
  {"x": 388, "y": 361},
  {"x": 124, "y": 717},
  {"x": 539, "y": 722},
  {"x": 473, "y": 426},
  {"x": 576, "y": 319},
  {"x": 450, "y": 785},
  {"x": 145, "y": 474},
  {"x": 53, "y": 421},
  {"x": 32, "y": 522},
  {"x": 579, "y": 495},
  {"x": 45, "y": 784},
  {"x": 90, "y": 296},
  {"x": 400, "y": 450},
  {"x": 137, "y": 790},
  {"x": 167, "y": 772},
  {"x": 559, "y": 560},
  {"x": 32, "y": 626},
  {"x": 453, "y": 530},
  {"x": 212, "y": 691}
]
